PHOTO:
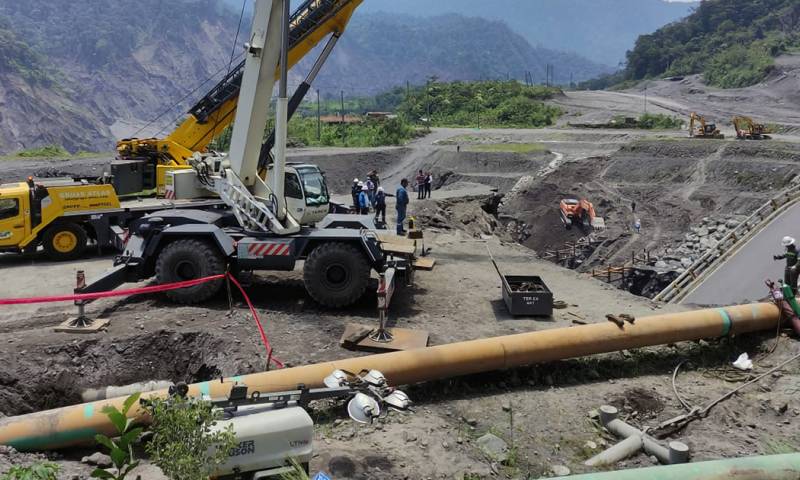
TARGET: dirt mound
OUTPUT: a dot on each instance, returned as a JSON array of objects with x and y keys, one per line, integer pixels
[
  {"x": 474, "y": 215},
  {"x": 341, "y": 168}
]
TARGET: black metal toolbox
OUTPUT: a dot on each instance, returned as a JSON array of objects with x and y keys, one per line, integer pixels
[{"x": 527, "y": 295}]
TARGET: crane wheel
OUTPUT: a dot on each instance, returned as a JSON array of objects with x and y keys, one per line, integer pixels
[
  {"x": 65, "y": 241},
  {"x": 184, "y": 260},
  {"x": 336, "y": 274}
]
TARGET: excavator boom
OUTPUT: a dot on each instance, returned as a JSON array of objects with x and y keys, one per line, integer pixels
[{"x": 310, "y": 23}]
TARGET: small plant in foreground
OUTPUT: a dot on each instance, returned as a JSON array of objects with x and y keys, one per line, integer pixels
[
  {"x": 37, "y": 471},
  {"x": 185, "y": 444},
  {"x": 121, "y": 448}
]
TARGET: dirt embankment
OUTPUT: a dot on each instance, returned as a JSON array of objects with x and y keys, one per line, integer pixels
[{"x": 674, "y": 183}]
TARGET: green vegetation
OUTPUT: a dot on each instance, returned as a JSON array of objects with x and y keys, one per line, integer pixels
[
  {"x": 47, "y": 151},
  {"x": 369, "y": 133},
  {"x": 120, "y": 449},
  {"x": 297, "y": 473},
  {"x": 731, "y": 42},
  {"x": 509, "y": 147},
  {"x": 648, "y": 121},
  {"x": 481, "y": 104},
  {"x": 185, "y": 444},
  {"x": 17, "y": 57},
  {"x": 38, "y": 471},
  {"x": 659, "y": 121}
]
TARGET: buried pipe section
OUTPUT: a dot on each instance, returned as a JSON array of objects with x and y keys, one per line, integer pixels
[
  {"x": 770, "y": 467},
  {"x": 676, "y": 453},
  {"x": 78, "y": 424}
]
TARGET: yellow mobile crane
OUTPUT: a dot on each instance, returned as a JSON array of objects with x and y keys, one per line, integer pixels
[{"x": 310, "y": 23}]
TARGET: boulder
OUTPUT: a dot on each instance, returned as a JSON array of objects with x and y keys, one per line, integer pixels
[{"x": 494, "y": 447}]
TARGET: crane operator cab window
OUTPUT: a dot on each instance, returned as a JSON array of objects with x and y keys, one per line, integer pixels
[
  {"x": 315, "y": 187},
  {"x": 9, "y": 208},
  {"x": 291, "y": 186}
]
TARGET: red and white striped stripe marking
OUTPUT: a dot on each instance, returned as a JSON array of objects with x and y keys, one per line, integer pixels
[
  {"x": 169, "y": 194},
  {"x": 268, "y": 249}
]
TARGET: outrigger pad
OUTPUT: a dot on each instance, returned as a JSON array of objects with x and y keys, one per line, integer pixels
[
  {"x": 358, "y": 337},
  {"x": 72, "y": 325}
]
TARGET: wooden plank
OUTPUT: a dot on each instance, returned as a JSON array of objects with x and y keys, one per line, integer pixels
[
  {"x": 425, "y": 263},
  {"x": 399, "y": 249},
  {"x": 386, "y": 237}
]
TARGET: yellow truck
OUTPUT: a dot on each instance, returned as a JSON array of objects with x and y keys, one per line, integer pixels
[{"x": 64, "y": 215}]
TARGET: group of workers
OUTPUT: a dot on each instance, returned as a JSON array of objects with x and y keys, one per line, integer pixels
[{"x": 369, "y": 194}]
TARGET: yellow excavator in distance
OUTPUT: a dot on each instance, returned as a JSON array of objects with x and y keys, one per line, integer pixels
[
  {"x": 310, "y": 23},
  {"x": 747, "y": 129},
  {"x": 699, "y": 128}
]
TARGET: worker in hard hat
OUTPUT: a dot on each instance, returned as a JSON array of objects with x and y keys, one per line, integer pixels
[
  {"x": 355, "y": 191},
  {"x": 790, "y": 273}
]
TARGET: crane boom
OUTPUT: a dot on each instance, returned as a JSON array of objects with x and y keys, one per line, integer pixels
[{"x": 310, "y": 23}]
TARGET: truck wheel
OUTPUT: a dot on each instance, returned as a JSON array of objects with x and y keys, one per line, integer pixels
[
  {"x": 187, "y": 260},
  {"x": 65, "y": 241},
  {"x": 336, "y": 274}
]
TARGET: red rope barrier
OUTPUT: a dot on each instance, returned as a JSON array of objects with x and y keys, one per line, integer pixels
[
  {"x": 154, "y": 289},
  {"x": 114, "y": 293}
]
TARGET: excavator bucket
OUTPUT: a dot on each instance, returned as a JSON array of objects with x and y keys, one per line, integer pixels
[{"x": 599, "y": 223}]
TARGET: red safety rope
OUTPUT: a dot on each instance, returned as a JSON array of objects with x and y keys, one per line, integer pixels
[{"x": 154, "y": 289}]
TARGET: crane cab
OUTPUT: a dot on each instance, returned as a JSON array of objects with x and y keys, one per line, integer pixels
[{"x": 306, "y": 193}]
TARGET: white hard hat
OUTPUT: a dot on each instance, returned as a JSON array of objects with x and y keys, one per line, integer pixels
[
  {"x": 787, "y": 241},
  {"x": 380, "y": 189},
  {"x": 355, "y": 180}
]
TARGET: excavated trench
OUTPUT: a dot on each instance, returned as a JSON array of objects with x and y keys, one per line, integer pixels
[{"x": 56, "y": 375}]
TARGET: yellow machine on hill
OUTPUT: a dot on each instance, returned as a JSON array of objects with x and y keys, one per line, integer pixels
[
  {"x": 310, "y": 23},
  {"x": 699, "y": 128},
  {"x": 747, "y": 129}
]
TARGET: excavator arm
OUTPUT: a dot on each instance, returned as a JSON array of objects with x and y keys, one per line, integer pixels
[{"x": 311, "y": 22}]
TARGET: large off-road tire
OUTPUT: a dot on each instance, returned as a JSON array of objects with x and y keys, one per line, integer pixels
[
  {"x": 336, "y": 274},
  {"x": 64, "y": 241},
  {"x": 186, "y": 260}
]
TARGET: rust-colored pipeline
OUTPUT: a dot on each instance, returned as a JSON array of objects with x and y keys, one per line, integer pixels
[{"x": 77, "y": 424}]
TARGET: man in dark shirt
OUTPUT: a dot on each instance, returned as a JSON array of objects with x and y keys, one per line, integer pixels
[{"x": 402, "y": 202}]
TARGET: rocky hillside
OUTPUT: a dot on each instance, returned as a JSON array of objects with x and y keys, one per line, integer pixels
[
  {"x": 33, "y": 102},
  {"x": 379, "y": 51},
  {"x": 82, "y": 73},
  {"x": 602, "y": 30}
]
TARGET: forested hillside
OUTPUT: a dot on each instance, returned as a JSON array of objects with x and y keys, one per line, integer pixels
[{"x": 731, "y": 42}]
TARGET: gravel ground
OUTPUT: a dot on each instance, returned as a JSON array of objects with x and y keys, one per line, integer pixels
[{"x": 542, "y": 411}]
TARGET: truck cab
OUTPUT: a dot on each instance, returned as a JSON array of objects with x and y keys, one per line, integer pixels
[
  {"x": 50, "y": 213},
  {"x": 15, "y": 215}
]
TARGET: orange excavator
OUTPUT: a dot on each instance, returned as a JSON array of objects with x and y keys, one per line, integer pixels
[
  {"x": 702, "y": 129},
  {"x": 581, "y": 213},
  {"x": 747, "y": 129}
]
